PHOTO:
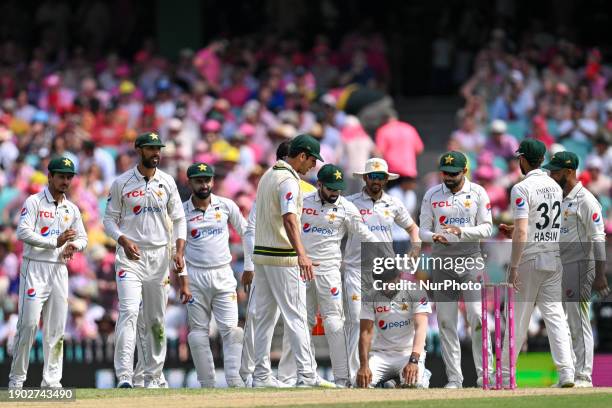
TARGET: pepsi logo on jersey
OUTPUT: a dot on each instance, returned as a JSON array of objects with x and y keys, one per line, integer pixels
[
  {"x": 31, "y": 293},
  {"x": 140, "y": 210},
  {"x": 596, "y": 218},
  {"x": 24, "y": 211},
  {"x": 335, "y": 292},
  {"x": 122, "y": 274},
  {"x": 46, "y": 231},
  {"x": 520, "y": 202},
  {"x": 391, "y": 325}
]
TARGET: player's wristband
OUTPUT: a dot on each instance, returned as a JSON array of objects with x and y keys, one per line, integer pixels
[
  {"x": 182, "y": 273},
  {"x": 414, "y": 358}
]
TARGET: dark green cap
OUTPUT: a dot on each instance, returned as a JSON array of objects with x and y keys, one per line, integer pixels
[
  {"x": 148, "y": 139},
  {"x": 452, "y": 162},
  {"x": 306, "y": 143},
  {"x": 532, "y": 149},
  {"x": 200, "y": 170},
  {"x": 61, "y": 165},
  {"x": 562, "y": 160},
  {"x": 332, "y": 177}
]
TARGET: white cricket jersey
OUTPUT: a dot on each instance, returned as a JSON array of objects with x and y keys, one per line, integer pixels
[
  {"x": 324, "y": 226},
  {"x": 208, "y": 232},
  {"x": 469, "y": 209},
  {"x": 394, "y": 318},
  {"x": 538, "y": 198},
  {"x": 42, "y": 220},
  {"x": 582, "y": 227},
  {"x": 379, "y": 216},
  {"x": 139, "y": 209}
]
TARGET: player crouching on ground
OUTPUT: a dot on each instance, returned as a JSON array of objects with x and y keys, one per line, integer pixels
[{"x": 398, "y": 349}]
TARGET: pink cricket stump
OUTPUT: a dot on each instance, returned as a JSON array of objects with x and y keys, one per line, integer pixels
[
  {"x": 485, "y": 337},
  {"x": 498, "y": 342},
  {"x": 511, "y": 345}
]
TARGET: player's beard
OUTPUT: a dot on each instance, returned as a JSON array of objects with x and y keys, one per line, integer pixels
[
  {"x": 451, "y": 184},
  {"x": 202, "y": 194},
  {"x": 329, "y": 198},
  {"x": 562, "y": 182},
  {"x": 151, "y": 162}
]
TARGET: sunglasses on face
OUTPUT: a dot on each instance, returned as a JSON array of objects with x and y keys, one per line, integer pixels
[
  {"x": 377, "y": 176},
  {"x": 446, "y": 173}
]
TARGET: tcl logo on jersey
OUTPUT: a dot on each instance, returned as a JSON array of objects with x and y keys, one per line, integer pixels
[
  {"x": 596, "y": 218},
  {"x": 382, "y": 228},
  {"x": 335, "y": 292},
  {"x": 46, "y": 231},
  {"x": 307, "y": 228},
  {"x": 440, "y": 204},
  {"x": 24, "y": 211},
  {"x": 391, "y": 325},
  {"x": 382, "y": 309},
  {"x": 122, "y": 274},
  {"x": 45, "y": 214},
  {"x": 135, "y": 193},
  {"x": 454, "y": 220},
  {"x": 289, "y": 196},
  {"x": 31, "y": 293},
  {"x": 365, "y": 211},
  {"x": 519, "y": 202},
  {"x": 310, "y": 211},
  {"x": 139, "y": 210}
]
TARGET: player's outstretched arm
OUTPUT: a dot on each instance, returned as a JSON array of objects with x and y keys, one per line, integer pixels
[{"x": 364, "y": 374}]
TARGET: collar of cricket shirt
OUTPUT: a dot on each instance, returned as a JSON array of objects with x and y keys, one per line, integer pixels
[
  {"x": 283, "y": 165},
  {"x": 467, "y": 187},
  {"x": 214, "y": 201},
  {"x": 572, "y": 194},
  {"x": 141, "y": 177},
  {"x": 50, "y": 199},
  {"x": 535, "y": 172}
]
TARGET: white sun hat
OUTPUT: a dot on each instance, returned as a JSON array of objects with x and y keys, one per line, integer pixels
[{"x": 376, "y": 165}]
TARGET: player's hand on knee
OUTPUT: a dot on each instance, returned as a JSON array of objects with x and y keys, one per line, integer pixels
[
  {"x": 68, "y": 235},
  {"x": 364, "y": 377},
  {"x": 410, "y": 374}
]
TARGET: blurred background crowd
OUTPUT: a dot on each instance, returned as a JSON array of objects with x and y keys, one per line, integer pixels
[{"x": 231, "y": 102}]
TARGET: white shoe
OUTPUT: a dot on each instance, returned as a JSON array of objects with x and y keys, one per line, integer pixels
[
  {"x": 453, "y": 385},
  {"x": 318, "y": 382},
  {"x": 125, "y": 382},
  {"x": 235, "y": 383},
  {"x": 564, "y": 384},
  {"x": 15, "y": 385},
  {"x": 583, "y": 384},
  {"x": 272, "y": 382},
  {"x": 248, "y": 381},
  {"x": 154, "y": 384}
]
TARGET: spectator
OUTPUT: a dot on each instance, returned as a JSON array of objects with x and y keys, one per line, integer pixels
[
  {"x": 399, "y": 144},
  {"x": 468, "y": 138},
  {"x": 578, "y": 127},
  {"x": 592, "y": 178},
  {"x": 516, "y": 102},
  {"x": 500, "y": 143}
]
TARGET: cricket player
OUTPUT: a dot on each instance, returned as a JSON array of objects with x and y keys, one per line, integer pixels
[
  {"x": 455, "y": 216},
  {"x": 535, "y": 268},
  {"x": 281, "y": 264},
  {"x": 51, "y": 229},
  {"x": 211, "y": 279},
  {"x": 143, "y": 207},
  {"x": 583, "y": 254},
  {"x": 397, "y": 321},
  {"x": 286, "y": 366},
  {"x": 379, "y": 211},
  {"x": 326, "y": 218}
]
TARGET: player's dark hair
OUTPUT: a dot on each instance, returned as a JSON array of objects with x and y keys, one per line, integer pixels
[
  {"x": 283, "y": 150},
  {"x": 536, "y": 163}
]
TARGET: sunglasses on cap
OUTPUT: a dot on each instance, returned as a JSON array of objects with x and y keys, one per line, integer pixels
[{"x": 377, "y": 176}]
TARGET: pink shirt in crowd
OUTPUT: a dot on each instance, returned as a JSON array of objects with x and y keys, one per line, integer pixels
[{"x": 400, "y": 144}]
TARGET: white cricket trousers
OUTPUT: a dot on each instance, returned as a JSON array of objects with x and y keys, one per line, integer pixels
[
  {"x": 577, "y": 282},
  {"x": 145, "y": 279},
  {"x": 386, "y": 365},
  {"x": 325, "y": 294},
  {"x": 214, "y": 294},
  {"x": 286, "y": 365},
  {"x": 351, "y": 283},
  {"x": 43, "y": 287},
  {"x": 281, "y": 287},
  {"x": 543, "y": 289}
]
